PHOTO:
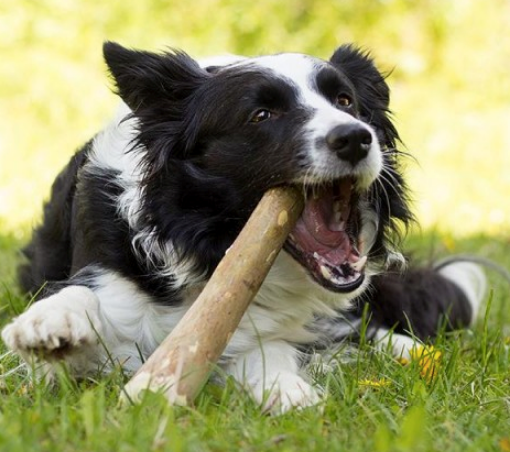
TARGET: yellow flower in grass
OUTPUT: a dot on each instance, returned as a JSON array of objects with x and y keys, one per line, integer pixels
[
  {"x": 504, "y": 444},
  {"x": 376, "y": 383},
  {"x": 428, "y": 359},
  {"x": 24, "y": 389}
]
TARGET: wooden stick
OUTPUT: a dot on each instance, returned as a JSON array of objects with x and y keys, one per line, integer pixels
[{"x": 182, "y": 363}]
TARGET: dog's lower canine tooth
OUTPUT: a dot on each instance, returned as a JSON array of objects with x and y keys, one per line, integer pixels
[
  {"x": 358, "y": 266},
  {"x": 325, "y": 272}
]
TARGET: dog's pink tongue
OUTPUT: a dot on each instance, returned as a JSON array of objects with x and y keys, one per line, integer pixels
[
  {"x": 321, "y": 229},
  {"x": 326, "y": 214},
  {"x": 319, "y": 219}
]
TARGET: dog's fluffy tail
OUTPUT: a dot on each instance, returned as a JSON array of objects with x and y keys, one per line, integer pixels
[{"x": 421, "y": 300}]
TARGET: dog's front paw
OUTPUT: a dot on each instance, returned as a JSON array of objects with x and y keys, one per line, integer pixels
[
  {"x": 285, "y": 392},
  {"x": 56, "y": 326}
]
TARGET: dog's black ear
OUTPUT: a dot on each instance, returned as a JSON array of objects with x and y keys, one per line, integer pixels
[
  {"x": 373, "y": 92},
  {"x": 361, "y": 70},
  {"x": 146, "y": 79}
]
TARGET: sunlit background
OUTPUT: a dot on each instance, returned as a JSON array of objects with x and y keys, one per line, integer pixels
[{"x": 450, "y": 78}]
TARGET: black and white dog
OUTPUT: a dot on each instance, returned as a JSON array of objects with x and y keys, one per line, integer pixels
[{"x": 143, "y": 213}]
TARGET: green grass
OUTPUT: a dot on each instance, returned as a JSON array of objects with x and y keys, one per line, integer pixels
[{"x": 465, "y": 408}]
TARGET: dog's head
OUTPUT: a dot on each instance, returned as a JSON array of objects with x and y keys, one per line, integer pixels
[{"x": 216, "y": 138}]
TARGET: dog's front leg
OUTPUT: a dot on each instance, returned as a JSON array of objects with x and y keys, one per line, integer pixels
[{"x": 270, "y": 373}]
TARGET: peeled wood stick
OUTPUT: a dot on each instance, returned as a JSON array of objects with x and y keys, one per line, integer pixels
[{"x": 181, "y": 364}]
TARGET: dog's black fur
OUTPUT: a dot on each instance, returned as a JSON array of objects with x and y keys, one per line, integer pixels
[
  {"x": 200, "y": 202},
  {"x": 209, "y": 142}
]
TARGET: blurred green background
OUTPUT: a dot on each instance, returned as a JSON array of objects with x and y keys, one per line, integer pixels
[{"x": 450, "y": 77}]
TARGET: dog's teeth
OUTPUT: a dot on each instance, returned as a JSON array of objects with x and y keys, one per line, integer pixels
[
  {"x": 368, "y": 234},
  {"x": 337, "y": 225},
  {"x": 337, "y": 207},
  {"x": 361, "y": 245},
  {"x": 325, "y": 272},
  {"x": 346, "y": 212},
  {"x": 317, "y": 257},
  {"x": 358, "y": 266}
]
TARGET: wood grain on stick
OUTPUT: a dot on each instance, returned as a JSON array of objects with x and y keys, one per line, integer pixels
[{"x": 182, "y": 363}]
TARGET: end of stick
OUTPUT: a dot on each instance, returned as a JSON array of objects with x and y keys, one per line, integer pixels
[{"x": 167, "y": 385}]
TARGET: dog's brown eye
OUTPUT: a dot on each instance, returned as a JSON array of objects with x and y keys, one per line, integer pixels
[
  {"x": 260, "y": 115},
  {"x": 343, "y": 101}
]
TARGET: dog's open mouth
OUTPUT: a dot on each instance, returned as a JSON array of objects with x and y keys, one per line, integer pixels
[{"x": 324, "y": 239}]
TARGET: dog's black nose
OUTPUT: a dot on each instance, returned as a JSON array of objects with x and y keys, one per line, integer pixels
[{"x": 350, "y": 142}]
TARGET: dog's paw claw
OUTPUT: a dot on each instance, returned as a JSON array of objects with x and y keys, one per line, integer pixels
[{"x": 52, "y": 328}]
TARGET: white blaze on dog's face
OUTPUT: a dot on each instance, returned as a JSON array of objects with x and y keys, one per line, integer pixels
[{"x": 333, "y": 129}]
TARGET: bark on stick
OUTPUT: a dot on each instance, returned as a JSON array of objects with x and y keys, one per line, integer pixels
[{"x": 182, "y": 363}]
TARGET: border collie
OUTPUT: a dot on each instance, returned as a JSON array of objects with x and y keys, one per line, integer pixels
[{"x": 142, "y": 214}]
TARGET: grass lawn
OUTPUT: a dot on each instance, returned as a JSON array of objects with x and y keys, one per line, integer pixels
[{"x": 373, "y": 404}]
